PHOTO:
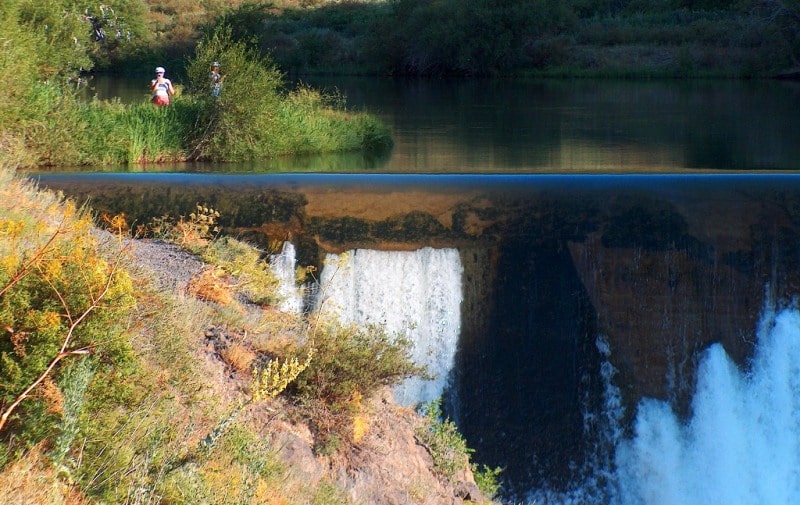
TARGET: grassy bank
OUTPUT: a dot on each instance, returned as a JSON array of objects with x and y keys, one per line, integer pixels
[{"x": 44, "y": 123}]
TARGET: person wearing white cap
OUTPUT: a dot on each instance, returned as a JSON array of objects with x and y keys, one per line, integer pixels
[
  {"x": 216, "y": 79},
  {"x": 162, "y": 88}
]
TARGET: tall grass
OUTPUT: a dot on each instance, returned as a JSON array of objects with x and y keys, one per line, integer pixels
[
  {"x": 56, "y": 128},
  {"x": 157, "y": 133},
  {"x": 255, "y": 117},
  {"x": 44, "y": 123},
  {"x": 309, "y": 121}
]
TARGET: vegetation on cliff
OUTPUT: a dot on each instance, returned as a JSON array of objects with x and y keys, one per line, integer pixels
[{"x": 119, "y": 387}]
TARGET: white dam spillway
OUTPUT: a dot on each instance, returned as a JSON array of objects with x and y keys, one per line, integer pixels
[
  {"x": 283, "y": 266},
  {"x": 416, "y": 293}
]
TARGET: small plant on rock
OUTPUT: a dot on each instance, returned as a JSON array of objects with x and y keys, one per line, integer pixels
[
  {"x": 349, "y": 363},
  {"x": 450, "y": 453},
  {"x": 200, "y": 228},
  {"x": 272, "y": 379}
]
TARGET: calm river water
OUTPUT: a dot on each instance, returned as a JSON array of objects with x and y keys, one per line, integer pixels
[
  {"x": 572, "y": 126},
  {"x": 624, "y": 255}
]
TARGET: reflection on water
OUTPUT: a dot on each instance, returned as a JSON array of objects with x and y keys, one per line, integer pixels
[
  {"x": 584, "y": 125},
  {"x": 568, "y": 126}
]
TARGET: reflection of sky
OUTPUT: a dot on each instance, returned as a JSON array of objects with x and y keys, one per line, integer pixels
[{"x": 729, "y": 186}]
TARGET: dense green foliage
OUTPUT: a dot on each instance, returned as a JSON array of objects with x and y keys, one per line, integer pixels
[
  {"x": 479, "y": 37},
  {"x": 253, "y": 117}
]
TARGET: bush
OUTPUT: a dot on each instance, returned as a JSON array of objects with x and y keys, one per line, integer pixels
[
  {"x": 446, "y": 445},
  {"x": 60, "y": 300},
  {"x": 450, "y": 453},
  {"x": 349, "y": 363},
  {"x": 253, "y": 273},
  {"x": 237, "y": 124},
  {"x": 254, "y": 117}
]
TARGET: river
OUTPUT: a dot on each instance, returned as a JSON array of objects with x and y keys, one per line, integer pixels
[{"x": 622, "y": 258}]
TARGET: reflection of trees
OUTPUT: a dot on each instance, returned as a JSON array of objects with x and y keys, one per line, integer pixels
[
  {"x": 238, "y": 207},
  {"x": 785, "y": 16},
  {"x": 586, "y": 125}
]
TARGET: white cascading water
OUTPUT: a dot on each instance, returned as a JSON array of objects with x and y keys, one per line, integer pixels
[
  {"x": 283, "y": 266},
  {"x": 741, "y": 445},
  {"x": 415, "y": 293}
]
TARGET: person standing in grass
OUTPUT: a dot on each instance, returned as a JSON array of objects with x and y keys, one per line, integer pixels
[
  {"x": 216, "y": 79},
  {"x": 162, "y": 88}
]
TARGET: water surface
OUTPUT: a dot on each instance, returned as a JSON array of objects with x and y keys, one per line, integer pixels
[{"x": 547, "y": 126}]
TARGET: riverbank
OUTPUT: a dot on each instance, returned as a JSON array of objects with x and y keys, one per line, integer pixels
[
  {"x": 43, "y": 122},
  {"x": 156, "y": 394}
]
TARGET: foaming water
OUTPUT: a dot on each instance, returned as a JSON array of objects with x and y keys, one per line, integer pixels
[
  {"x": 741, "y": 445},
  {"x": 416, "y": 293},
  {"x": 283, "y": 266}
]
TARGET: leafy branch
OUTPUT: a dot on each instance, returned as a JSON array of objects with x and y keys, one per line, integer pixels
[
  {"x": 74, "y": 320},
  {"x": 35, "y": 259}
]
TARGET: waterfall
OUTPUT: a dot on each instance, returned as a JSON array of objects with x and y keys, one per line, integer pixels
[
  {"x": 741, "y": 445},
  {"x": 283, "y": 266},
  {"x": 416, "y": 293}
]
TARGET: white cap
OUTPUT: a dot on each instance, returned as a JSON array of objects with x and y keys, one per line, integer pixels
[{"x": 160, "y": 69}]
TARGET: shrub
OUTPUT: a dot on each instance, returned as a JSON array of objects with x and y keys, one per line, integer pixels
[
  {"x": 60, "y": 300},
  {"x": 254, "y": 276},
  {"x": 253, "y": 116},
  {"x": 349, "y": 363},
  {"x": 450, "y": 453},
  {"x": 237, "y": 123},
  {"x": 446, "y": 445}
]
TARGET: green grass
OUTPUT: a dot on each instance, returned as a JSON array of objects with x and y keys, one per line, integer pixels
[
  {"x": 44, "y": 123},
  {"x": 59, "y": 129}
]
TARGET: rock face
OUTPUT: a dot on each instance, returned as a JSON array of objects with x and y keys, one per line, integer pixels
[
  {"x": 391, "y": 467},
  {"x": 387, "y": 467}
]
